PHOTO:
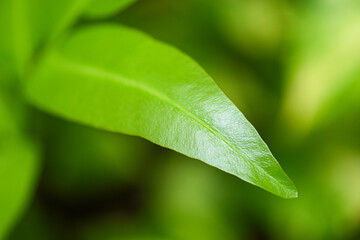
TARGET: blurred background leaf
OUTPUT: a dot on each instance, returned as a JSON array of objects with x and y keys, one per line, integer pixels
[
  {"x": 19, "y": 160},
  {"x": 106, "y": 8}
]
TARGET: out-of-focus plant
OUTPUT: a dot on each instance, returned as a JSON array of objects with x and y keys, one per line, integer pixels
[
  {"x": 256, "y": 28},
  {"x": 323, "y": 70},
  {"x": 114, "y": 78},
  {"x": 18, "y": 165}
]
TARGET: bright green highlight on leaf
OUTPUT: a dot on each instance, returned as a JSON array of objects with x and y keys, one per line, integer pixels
[{"x": 121, "y": 80}]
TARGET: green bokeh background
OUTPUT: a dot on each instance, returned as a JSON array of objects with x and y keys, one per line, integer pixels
[{"x": 292, "y": 68}]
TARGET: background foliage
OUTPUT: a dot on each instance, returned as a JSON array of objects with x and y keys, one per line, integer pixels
[{"x": 290, "y": 66}]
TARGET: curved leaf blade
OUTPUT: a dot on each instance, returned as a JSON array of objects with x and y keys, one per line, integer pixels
[{"x": 121, "y": 80}]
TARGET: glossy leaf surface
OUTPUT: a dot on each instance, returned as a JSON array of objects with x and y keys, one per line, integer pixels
[{"x": 121, "y": 80}]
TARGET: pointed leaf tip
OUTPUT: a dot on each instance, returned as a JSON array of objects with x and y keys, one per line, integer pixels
[{"x": 119, "y": 79}]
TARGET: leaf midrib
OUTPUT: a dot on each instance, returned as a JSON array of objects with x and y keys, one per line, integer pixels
[{"x": 88, "y": 69}]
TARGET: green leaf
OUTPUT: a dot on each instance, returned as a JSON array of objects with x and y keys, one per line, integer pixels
[
  {"x": 25, "y": 25},
  {"x": 105, "y": 8},
  {"x": 121, "y": 80},
  {"x": 15, "y": 45},
  {"x": 59, "y": 16},
  {"x": 18, "y": 168}
]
